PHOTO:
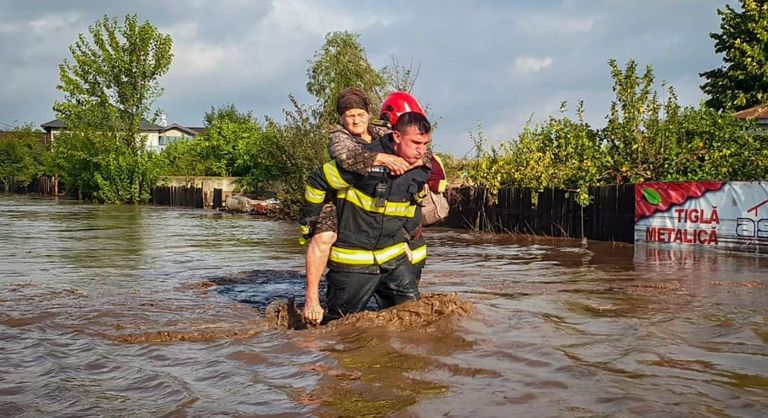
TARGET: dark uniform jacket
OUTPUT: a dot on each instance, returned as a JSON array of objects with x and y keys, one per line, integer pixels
[{"x": 377, "y": 212}]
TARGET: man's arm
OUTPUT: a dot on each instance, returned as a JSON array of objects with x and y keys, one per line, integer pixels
[
  {"x": 322, "y": 181},
  {"x": 327, "y": 179}
]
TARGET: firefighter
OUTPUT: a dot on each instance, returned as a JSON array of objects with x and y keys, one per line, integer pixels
[{"x": 377, "y": 214}]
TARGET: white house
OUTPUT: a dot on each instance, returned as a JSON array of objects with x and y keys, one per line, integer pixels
[
  {"x": 157, "y": 137},
  {"x": 175, "y": 132}
]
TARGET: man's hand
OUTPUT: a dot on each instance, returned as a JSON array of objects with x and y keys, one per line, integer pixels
[{"x": 313, "y": 312}]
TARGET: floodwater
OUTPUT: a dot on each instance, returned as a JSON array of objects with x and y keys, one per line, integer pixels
[{"x": 156, "y": 311}]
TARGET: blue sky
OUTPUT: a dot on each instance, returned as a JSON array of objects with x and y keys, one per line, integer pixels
[{"x": 496, "y": 63}]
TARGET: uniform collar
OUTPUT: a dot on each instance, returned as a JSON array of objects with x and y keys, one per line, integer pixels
[{"x": 388, "y": 144}]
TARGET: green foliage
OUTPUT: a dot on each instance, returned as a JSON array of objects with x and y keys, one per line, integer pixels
[
  {"x": 181, "y": 158},
  {"x": 742, "y": 81},
  {"x": 559, "y": 153},
  {"x": 112, "y": 80},
  {"x": 645, "y": 139},
  {"x": 297, "y": 147},
  {"x": 23, "y": 157},
  {"x": 706, "y": 145},
  {"x": 648, "y": 139},
  {"x": 102, "y": 168},
  {"x": 227, "y": 113},
  {"x": 635, "y": 133},
  {"x": 340, "y": 63},
  {"x": 109, "y": 86},
  {"x": 233, "y": 145}
]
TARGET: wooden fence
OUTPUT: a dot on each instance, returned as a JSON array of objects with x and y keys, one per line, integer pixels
[
  {"x": 610, "y": 216},
  {"x": 189, "y": 196},
  {"x": 43, "y": 185}
]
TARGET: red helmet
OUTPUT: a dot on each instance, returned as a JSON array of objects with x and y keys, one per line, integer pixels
[{"x": 396, "y": 104}]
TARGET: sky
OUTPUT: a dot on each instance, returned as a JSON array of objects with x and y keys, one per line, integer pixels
[{"x": 489, "y": 64}]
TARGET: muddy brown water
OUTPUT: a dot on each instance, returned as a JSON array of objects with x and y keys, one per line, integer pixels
[{"x": 155, "y": 311}]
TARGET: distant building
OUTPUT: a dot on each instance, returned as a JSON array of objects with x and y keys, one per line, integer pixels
[
  {"x": 157, "y": 137},
  {"x": 757, "y": 113},
  {"x": 175, "y": 132}
]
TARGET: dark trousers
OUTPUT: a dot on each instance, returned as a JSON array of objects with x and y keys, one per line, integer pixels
[
  {"x": 350, "y": 292},
  {"x": 417, "y": 268}
]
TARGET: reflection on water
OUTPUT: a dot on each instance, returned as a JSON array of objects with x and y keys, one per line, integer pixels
[{"x": 152, "y": 311}]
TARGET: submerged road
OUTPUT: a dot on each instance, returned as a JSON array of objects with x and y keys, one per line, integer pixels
[{"x": 156, "y": 311}]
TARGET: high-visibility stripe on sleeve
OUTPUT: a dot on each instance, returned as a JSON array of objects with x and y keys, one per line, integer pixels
[
  {"x": 333, "y": 177},
  {"x": 313, "y": 195},
  {"x": 419, "y": 254},
  {"x": 367, "y": 203},
  {"x": 366, "y": 257}
]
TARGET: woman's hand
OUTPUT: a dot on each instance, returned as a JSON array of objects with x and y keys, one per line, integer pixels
[{"x": 395, "y": 164}]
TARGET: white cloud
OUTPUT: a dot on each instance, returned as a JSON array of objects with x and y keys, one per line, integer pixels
[
  {"x": 528, "y": 64},
  {"x": 317, "y": 17},
  {"x": 265, "y": 47},
  {"x": 54, "y": 22}
]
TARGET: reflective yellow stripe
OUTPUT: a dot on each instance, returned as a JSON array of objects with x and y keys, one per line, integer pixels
[
  {"x": 333, "y": 177},
  {"x": 303, "y": 231},
  {"x": 366, "y": 257},
  {"x": 419, "y": 254},
  {"x": 422, "y": 194},
  {"x": 441, "y": 186},
  {"x": 367, "y": 203},
  {"x": 313, "y": 195}
]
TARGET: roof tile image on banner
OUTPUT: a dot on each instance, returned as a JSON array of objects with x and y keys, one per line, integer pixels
[{"x": 732, "y": 216}]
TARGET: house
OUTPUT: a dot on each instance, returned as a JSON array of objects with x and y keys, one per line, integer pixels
[
  {"x": 175, "y": 132},
  {"x": 758, "y": 113},
  {"x": 157, "y": 137}
]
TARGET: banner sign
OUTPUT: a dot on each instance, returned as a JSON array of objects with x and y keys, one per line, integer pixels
[{"x": 731, "y": 215}]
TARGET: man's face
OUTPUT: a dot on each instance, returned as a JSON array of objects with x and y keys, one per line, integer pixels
[
  {"x": 355, "y": 121},
  {"x": 411, "y": 145}
]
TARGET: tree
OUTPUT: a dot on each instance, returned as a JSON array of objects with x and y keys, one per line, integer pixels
[
  {"x": 109, "y": 88},
  {"x": 742, "y": 81},
  {"x": 341, "y": 63},
  {"x": 229, "y": 113},
  {"x": 296, "y": 147},
  {"x": 23, "y": 157},
  {"x": 234, "y": 144},
  {"x": 635, "y": 143},
  {"x": 399, "y": 77}
]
